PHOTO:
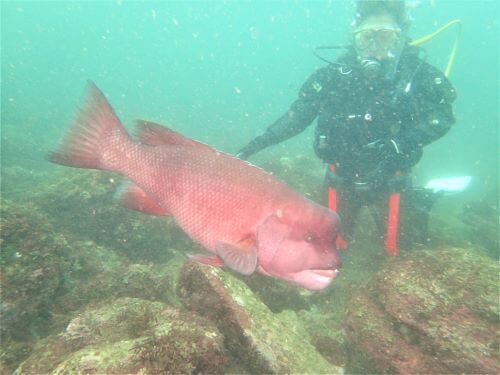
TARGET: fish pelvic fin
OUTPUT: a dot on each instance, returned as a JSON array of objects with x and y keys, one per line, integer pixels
[
  {"x": 241, "y": 257},
  {"x": 131, "y": 196},
  {"x": 212, "y": 260},
  {"x": 95, "y": 127}
]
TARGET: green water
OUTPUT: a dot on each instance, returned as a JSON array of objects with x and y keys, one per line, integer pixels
[{"x": 221, "y": 72}]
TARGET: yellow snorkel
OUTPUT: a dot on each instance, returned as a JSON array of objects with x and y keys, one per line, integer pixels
[{"x": 453, "y": 52}]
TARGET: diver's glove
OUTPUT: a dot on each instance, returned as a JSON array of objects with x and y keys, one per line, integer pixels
[
  {"x": 247, "y": 151},
  {"x": 257, "y": 144},
  {"x": 389, "y": 160},
  {"x": 390, "y": 153}
]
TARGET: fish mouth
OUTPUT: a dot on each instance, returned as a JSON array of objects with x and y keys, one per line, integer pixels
[
  {"x": 315, "y": 279},
  {"x": 330, "y": 273},
  {"x": 324, "y": 277}
]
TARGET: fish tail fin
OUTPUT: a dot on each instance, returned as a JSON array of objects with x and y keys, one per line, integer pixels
[{"x": 93, "y": 140}]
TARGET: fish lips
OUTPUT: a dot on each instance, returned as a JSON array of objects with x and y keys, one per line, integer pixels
[{"x": 315, "y": 279}]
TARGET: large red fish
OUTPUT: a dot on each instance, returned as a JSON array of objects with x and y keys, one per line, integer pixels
[{"x": 247, "y": 218}]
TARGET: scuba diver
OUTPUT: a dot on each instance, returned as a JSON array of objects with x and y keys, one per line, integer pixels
[{"x": 377, "y": 107}]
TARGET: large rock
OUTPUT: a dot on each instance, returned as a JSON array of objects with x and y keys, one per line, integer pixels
[
  {"x": 130, "y": 335},
  {"x": 262, "y": 341},
  {"x": 278, "y": 295},
  {"x": 433, "y": 311}
]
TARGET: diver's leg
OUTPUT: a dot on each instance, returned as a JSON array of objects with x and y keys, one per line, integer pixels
[
  {"x": 348, "y": 208},
  {"x": 338, "y": 199},
  {"x": 407, "y": 232}
]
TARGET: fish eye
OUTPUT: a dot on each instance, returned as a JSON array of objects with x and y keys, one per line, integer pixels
[{"x": 309, "y": 237}]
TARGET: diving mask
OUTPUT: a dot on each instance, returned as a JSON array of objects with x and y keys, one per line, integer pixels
[
  {"x": 378, "y": 46},
  {"x": 377, "y": 41}
]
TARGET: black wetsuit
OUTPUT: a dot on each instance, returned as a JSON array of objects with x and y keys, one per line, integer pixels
[{"x": 367, "y": 130}]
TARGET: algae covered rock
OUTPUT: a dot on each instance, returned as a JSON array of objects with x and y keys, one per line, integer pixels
[
  {"x": 276, "y": 294},
  {"x": 32, "y": 263},
  {"x": 130, "y": 335},
  {"x": 432, "y": 311},
  {"x": 46, "y": 277},
  {"x": 98, "y": 273},
  {"x": 81, "y": 205},
  {"x": 262, "y": 341},
  {"x": 325, "y": 330}
]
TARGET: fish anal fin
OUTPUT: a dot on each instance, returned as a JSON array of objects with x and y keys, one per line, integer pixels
[
  {"x": 241, "y": 257},
  {"x": 131, "y": 196}
]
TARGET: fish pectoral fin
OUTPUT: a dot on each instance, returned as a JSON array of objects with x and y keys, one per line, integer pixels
[
  {"x": 212, "y": 260},
  {"x": 131, "y": 196},
  {"x": 242, "y": 259}
]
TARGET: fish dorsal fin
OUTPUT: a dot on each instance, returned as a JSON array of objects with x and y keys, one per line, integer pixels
[
  {"x": 158, "y": 135},
  {"x": 241, "y": 257},
  {"x": 131, "y": 196}
]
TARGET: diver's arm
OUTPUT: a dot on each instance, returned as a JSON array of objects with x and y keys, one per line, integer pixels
[
  {"x": 300, "y": 115},
  {"x": 434, "y": 114},
  {"x": 435, "y": 96},
  {"x": 295, "y": 120}
]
